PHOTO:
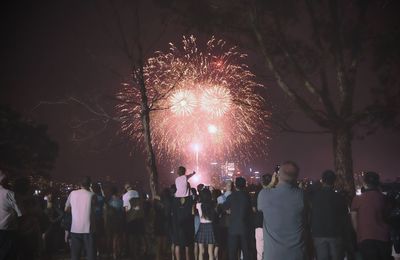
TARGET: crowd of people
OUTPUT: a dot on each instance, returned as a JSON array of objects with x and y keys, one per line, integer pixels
[{"x": 278, "y": 220}]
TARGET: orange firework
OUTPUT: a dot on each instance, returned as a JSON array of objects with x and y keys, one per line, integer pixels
[{"x": 204, "y": 98}]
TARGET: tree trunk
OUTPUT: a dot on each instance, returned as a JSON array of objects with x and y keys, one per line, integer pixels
[
  {"x": 150, "y": 156},
  {"x": 342, "y": 152}
]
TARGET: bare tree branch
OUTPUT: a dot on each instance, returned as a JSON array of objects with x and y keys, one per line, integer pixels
[
  {"x": 317, "y": 117},
  {"x": 285, "y": 127},
  {"x": 324, "y": 92},
  {"x": 283, "y": 45},
  {"x": 125, "y": 45},
  {"x": 102, "y": 113}
]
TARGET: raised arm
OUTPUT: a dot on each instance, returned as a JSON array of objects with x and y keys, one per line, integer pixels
[{"x": 190, "y": 175}]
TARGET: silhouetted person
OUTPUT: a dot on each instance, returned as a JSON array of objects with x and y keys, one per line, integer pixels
[
  {"x": 9, "y": 211},
  {"x": 266, "y": 180},
  {"x": 52, "y": 218},
  {"x": 367, "y": 215},
  {"x": 182, "y": 215},
  {"x": 328, "y": 213},
  {"x": 239, "y": 206}
]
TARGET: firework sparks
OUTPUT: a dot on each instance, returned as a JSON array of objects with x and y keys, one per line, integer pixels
[
  {"x": 199, "y": 97},
  {"x": 216, "y": 101},
  {"x": 183, "y": 102}
]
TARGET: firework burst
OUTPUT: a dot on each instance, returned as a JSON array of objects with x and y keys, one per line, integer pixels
[
  {"x": 204, "y": 97},
  {"x": 216, "y": 101},
  {"x": 183, "y": 102}
]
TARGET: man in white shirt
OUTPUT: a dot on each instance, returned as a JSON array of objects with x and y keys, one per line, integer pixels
[
  {"x": 81, "y": 203},
  {"x": 9, "y": 212},
  {"x": 130, "y": 194}
]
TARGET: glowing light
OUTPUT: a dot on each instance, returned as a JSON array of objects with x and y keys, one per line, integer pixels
[
  {"x": 216, "y": 101},
  {"x": 196, "y": 178},
  {"x": 196, "y": 147},
  {"x": 183, "y": 102},
  {"x": 212, "y": 129},
  {"x": 202, "y": 94}
]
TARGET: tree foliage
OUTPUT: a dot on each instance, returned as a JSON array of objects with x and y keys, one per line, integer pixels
[
  {"x": 315, "y": 50},
  {"x": 25, "y": 147}
]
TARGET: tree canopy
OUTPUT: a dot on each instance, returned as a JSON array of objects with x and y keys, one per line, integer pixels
[{"x": 25, "y": 146}]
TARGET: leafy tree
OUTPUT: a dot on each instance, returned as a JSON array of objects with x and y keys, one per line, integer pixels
[
  {"x": 315, "y": 51},
  {"x": 25, "y": 146}
]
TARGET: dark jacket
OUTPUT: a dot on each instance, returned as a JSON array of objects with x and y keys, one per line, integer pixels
[
  {"x": 328, "y": 213},
  {"x": 239, "y": 204}
]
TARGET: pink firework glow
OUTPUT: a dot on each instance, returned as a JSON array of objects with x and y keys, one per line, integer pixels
[{"x": 205, "y": 98}]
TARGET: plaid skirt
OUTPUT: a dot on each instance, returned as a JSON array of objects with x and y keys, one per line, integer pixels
[{"x": 205, "y": 235}]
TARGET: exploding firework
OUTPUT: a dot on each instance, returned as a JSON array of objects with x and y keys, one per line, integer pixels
[
  {"x": 216, "y": 101},
  {"x": 206, "y": 99},
  {"x": 183, "y": 102}
]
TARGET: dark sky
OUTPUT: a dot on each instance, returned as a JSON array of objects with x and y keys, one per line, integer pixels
[{"x": 53, "y": 49}]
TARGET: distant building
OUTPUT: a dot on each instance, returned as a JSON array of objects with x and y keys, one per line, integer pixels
[{"x": 228, "y": 171}]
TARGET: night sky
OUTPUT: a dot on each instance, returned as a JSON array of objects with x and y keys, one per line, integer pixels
[{"x": 54, "y": 49}]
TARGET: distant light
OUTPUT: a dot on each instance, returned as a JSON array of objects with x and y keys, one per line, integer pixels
[
  {"x": 214, "y": 163},
  {"x": 196, "y": 178},
  {"x": 256, "y": 172},
  {"x": 196, "y": 147},
  {"x": 172, "y": 172},
  {"x": 212, "y": 129}
]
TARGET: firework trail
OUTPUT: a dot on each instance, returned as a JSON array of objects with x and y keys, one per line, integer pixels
[{"x": 206, "y": 99}]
